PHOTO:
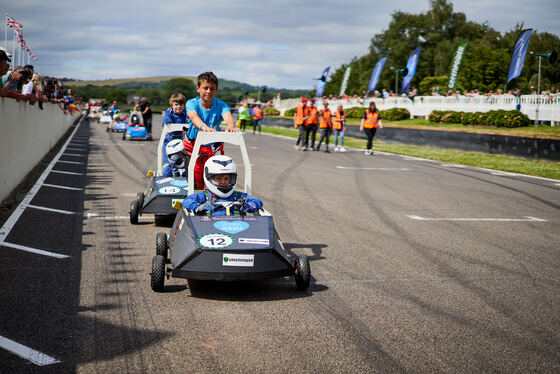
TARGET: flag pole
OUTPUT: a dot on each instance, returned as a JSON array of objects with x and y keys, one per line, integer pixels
[{"x": 6, "y": 33}]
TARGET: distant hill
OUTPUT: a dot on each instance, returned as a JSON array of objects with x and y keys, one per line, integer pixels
[{"x": 125, "y": 81}]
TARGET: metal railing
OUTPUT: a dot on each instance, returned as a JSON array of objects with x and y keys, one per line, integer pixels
[{"x": 548, "y": 107}]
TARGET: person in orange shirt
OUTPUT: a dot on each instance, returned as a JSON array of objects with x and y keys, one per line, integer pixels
[
  {"x": 300, "y": 119},
  {"x": 339, "y": 125},
  {"x": 325, "y": 125},
  {"x": 370, "y": 123},
  {"x": 257, "y": 117},
  {"x": 311, "y": 125}
]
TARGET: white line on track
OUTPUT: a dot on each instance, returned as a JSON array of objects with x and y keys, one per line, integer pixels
[
  {"x": 27, "y": 353},
  {"x": 526, "y": 219},
  {"x": 14, "y": 217},
  {"x": 33, "y": 250},
  {"x": 71, "y": 162},
  {"x": 453, "y": 165},
  {"x": 98, "y": 216},
  {"x": 74, "y": 149},
  {"x": 74, "y": 154},
  {"x": 363, "y": 168},
  {"x": 62, "y": 187},
  {"x": 66, "y": 172},
  {"x": 50, "y": 209}
]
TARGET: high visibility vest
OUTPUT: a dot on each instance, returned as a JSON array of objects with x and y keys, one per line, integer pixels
[
  {"x": 258, "y": 113},
  {"x": 325, "y": 119},
  {"x": 338, "y": 119},
  {"x": 371, "y": 120},
  {"x": 312, "y": 120},
  {"x": 301, "y": 112}
]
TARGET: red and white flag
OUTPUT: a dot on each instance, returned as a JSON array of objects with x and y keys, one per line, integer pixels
[{"x": 13, "y": 23}]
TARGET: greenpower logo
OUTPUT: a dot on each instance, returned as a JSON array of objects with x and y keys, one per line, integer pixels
[{"x": 226, "y": 259}]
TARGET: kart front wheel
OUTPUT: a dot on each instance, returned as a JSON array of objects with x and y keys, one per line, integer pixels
[
  {"x": 161, "y": 245},
  {"x": 133, "y": 212},
  {"x": 158, "y": 273},
  {"x": 140, "y": 199},
  {"x": 124, "y": 136},
  {"x": 303, "y": 273}
]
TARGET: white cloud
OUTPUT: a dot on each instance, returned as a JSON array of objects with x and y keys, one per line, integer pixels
[{"x": 280, "y": 43}]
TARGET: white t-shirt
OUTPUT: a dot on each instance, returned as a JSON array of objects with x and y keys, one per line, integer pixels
[{"x": 27, "y": 88}]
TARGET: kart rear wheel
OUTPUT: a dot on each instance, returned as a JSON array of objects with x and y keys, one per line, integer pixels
[
  {"x": 106, "y": 129},
  {"x": 303, "y": 273},
  {"x": 133, "y": 212},
  {"x": 140, "y": 199},
  {"x": 124, "y": 136},
  {"x": 158, "y": 273},
  {"x": 161, "y": 244}
]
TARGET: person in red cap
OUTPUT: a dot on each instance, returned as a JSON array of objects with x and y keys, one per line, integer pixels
[{"x": 300, "y": 119}]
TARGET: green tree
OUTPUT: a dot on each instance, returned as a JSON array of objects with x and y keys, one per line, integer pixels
[{"x": 179, "y": 85}]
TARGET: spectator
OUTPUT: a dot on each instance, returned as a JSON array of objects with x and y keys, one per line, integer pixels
[
  {"x": 4, "y": 66},
  {"x": 257, "y": 117},
  {"x": 146, "y": 110}
]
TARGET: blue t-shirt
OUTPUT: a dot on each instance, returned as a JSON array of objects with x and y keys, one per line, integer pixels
[
  {"x": 171, "y": 117},
  {"x": 212, "y": 117}
]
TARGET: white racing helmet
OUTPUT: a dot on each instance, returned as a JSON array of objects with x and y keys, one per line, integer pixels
[
  {"x": 175, "y": 154},
  {"x": 220, "y": 165}
]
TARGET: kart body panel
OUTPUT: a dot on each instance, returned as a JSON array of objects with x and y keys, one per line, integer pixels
[{"x": 161, "y": 193}]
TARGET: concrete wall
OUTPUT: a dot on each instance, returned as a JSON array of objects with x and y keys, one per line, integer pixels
[
  {"x": 546, "y": 149},
  {"x": 27, "y": 135}
]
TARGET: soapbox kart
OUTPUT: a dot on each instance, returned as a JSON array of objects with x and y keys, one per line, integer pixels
[
  {"x": 162, "y": 191},
  {"x": 225, "y": 248},
  {"x": 105, "y": 118},
  {"x": 119, "y": 123},
  {"x": 136, "y": 129}
]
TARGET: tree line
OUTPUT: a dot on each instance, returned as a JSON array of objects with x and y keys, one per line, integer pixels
[{"x": 438, "y": 32}]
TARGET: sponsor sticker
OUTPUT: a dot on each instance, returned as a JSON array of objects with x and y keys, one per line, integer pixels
[
  {"x": 214, "y": 240},
  {"x": 169, "y": 190},
  {"x": 179, "y": 183},
  {"x": 229, "y": 259},
  {"x": 253, "y": 241},
  {"x": 231, "y": 227},
  {"x": 164, "y": 180}
]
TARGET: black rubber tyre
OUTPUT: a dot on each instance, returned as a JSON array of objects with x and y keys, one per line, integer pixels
[
  {"x": 161, "y": 244},
  {"x": 133, "y": 212},
  {"x": 106, "y": 129},
  {"x": 124, "y": 136},
  {"x": 158, "y": 273},
  {"x": 303, "y": 273},
  {"x": 140, "y": 199}
]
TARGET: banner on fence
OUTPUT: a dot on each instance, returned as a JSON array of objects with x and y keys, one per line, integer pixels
[
  {"x": 376, "y": 74},
  {"x": 411, "y": 66},
  {"x": 456, "y": 64},
  {"x": 518, "y": 55}
]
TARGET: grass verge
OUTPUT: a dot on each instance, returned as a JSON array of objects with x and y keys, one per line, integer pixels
[{"x": 540, "y": 168}]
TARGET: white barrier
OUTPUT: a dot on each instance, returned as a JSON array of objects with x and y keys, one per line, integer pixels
[
  {"x": 422, "y": 106},
  {"x": 28, "y": 134}
]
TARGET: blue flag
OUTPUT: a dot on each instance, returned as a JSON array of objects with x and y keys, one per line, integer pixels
[
  {"x": 411, "y": 66},
  {"x": 518, "y": 56},
  {"x": 376, "y": 74},
  {"x": 322, "y": 82}
]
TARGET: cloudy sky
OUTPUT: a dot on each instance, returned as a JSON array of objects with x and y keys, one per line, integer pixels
[{"x": 280, "y": 43}]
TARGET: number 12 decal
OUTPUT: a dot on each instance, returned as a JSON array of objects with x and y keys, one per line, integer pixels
[{"x": 215, "y": 241}]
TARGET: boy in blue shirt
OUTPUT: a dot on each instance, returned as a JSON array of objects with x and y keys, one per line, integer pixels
[
  {"x": 177, "y": 112},
  {"x": 205, "y": 113}
]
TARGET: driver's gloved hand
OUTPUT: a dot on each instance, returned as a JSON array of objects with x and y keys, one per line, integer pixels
[
  {"x": 248, "y": 208},
  {"x": 204, "y": 207}
]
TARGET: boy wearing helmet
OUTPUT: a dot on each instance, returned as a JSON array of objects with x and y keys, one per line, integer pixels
[
  {"x": 176, "y": 157},
  {"x": 220, "y": 176}
]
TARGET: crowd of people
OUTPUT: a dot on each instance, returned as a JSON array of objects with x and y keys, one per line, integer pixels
[
  {"x": 23, "y": 83},
  {"x": 308, "y": 119}
]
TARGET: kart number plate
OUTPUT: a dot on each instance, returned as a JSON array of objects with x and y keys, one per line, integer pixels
[
  {"x": 169, "y": 190},
  {"x": 229, "y": 259},
  {"x": 215, "y": 241}
]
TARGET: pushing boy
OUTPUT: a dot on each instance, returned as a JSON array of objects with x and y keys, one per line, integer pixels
[{"x": 205, "y": 113}]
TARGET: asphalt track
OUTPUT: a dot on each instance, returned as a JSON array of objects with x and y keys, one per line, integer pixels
[{"x": 417, "y": 266}]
